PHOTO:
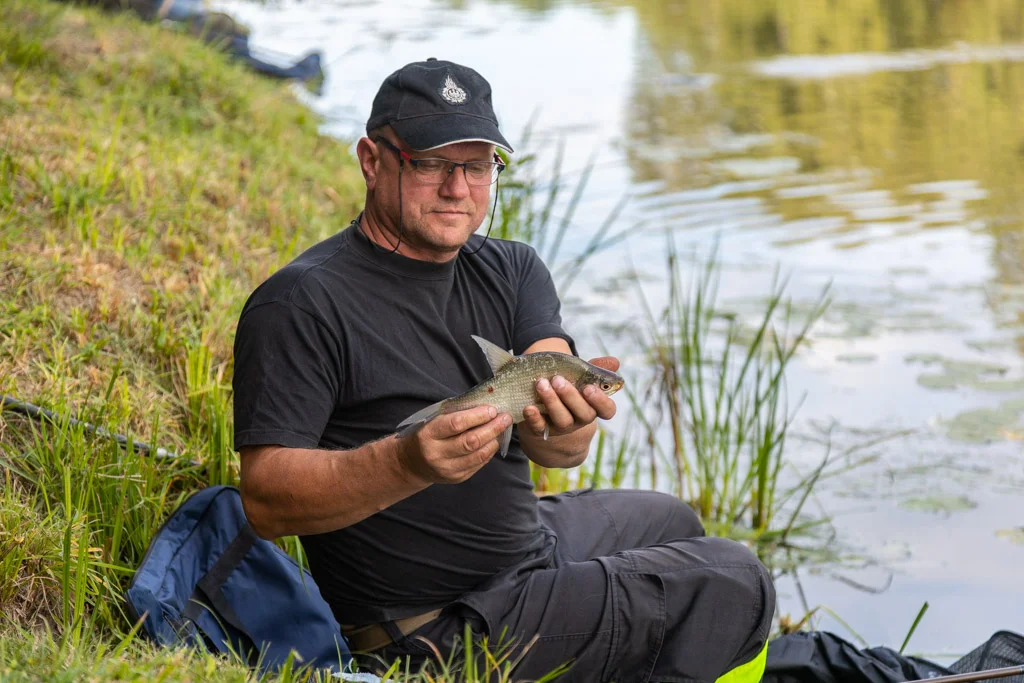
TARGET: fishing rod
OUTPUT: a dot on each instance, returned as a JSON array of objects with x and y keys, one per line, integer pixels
[
  {"x": 37, "y": 413},
  {"x": 975, "y": 676}
]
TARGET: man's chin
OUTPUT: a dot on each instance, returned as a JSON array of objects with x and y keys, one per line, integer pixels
[
  {"x": 454, "y": 228},
  {"x": 451, "y": 219}
]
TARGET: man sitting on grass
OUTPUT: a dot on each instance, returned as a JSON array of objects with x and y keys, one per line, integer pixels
[{"x": 411, "y": 538}]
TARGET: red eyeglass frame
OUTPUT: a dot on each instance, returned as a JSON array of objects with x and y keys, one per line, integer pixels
[{"x": 501, "y": 165}]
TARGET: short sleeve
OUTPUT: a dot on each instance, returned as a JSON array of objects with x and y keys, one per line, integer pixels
[
  {"x": 286, "y": 377},
  {"x": 538, "y": 309}
]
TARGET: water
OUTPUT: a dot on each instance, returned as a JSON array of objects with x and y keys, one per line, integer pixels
[{"x": 876, "y": 146}]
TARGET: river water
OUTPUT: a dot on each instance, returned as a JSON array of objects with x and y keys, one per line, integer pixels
[{"x": 877, "y": 146}]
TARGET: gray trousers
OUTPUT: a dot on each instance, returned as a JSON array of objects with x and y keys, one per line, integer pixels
[{"x": 632, "y": 592}]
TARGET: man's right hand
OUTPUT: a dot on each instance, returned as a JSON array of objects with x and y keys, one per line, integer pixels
[{"x": 451, "y": 448}]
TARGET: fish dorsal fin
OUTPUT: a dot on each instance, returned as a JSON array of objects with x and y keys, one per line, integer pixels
[{"x": 497, "y": 357}]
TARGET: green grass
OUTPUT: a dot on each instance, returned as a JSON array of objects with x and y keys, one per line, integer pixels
[{"x": 147, "y": 185}]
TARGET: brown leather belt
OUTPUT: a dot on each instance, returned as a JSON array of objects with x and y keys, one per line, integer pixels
[{"x": 374, "y": 636}]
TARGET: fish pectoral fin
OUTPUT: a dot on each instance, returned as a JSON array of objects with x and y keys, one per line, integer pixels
[
  {"x": 418, "y": 419},
  {"x": 410, "y": 429},
  {"x": 547, "y": 431},
  {"x": 506, "y": 439},
  {"x": 497, "y": 357}
]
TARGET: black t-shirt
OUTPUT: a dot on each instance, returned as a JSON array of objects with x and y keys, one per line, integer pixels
[{"x": 346, "y": 341}]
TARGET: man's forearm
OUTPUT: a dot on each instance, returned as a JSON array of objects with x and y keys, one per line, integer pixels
[
  {"x": 293, "y": 491},
  {"x": 567, "y": 450}
]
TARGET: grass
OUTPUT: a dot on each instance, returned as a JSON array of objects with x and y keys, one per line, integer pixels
[
  {"x": 34, "y": 657},
  {"x": 147, "y": 185},
  {"x": 471, "y": 661}
]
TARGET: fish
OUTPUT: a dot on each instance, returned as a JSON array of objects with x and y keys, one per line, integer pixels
[{"x": 513, "y": 386}]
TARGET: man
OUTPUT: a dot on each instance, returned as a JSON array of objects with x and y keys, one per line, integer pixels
[{"x": 411, "y": 538}]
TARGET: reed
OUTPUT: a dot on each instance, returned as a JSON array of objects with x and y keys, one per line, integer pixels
[
  {"x": 539, "y": 207},
  {"x": 715, "y": 414}
]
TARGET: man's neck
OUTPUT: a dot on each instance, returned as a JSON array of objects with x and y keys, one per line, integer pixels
[{"x": 386, "y": 237}]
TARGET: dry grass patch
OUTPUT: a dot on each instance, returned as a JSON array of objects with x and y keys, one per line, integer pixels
[{"x": 30, "y": 559}]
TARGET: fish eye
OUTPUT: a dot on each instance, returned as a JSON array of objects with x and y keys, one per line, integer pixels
[{"x": 605, "y": 386}]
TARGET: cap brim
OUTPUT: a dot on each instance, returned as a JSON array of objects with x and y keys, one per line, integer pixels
[{"x": 424, "y": 133}]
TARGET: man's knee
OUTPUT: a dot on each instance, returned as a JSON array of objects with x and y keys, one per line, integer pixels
[
  {"x": 744, "y": 597},
  {"x": 720, "y": 601},
  {"x": 682, "y": 521},
  {"x": 673, "y": 518},
  {"x": 736, "y": 569}
]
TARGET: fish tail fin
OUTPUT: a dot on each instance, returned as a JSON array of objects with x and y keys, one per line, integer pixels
[{"x": 418, "y": 419}]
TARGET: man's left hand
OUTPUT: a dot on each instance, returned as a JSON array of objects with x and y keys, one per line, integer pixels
[{"x": 567, "y": 408}]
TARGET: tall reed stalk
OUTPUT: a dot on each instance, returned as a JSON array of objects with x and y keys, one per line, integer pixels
[
  {"x": 529, "y": 210},
  {"x": 715, "y": 411}
]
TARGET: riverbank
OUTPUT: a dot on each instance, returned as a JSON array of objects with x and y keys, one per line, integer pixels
[{"x": 147, "y": 185}]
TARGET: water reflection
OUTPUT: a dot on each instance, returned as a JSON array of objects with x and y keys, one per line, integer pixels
[{"x": 895, "y": 133}]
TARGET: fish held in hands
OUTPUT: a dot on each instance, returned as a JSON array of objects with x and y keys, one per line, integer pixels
[{"x": 513, "y": 386}]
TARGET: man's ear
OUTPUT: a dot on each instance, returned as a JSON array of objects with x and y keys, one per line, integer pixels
[{"x": 369, "y": 158}]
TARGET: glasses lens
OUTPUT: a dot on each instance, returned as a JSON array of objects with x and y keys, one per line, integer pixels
[
  {"x": 432, "y": 170},
  {"x": 481, "y": 172},
  {"x": 437, "y": 171}
]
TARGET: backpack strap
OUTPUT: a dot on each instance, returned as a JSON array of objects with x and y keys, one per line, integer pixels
[{"x": 208, "y": 589}]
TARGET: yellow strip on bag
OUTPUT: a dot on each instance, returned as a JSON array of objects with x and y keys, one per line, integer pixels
[{"x": 751, "y": 672}]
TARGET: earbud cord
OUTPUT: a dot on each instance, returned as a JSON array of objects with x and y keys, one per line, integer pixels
[{"x": 497, "y": 186}]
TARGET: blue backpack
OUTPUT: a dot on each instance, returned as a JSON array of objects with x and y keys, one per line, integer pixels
[{"x": 208, "y": 581}]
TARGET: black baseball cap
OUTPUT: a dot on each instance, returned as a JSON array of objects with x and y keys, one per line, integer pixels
[{"x": 435, "y": 103}]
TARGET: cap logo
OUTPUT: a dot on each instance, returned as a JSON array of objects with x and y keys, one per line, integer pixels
[{"x": 451, "y": 92}]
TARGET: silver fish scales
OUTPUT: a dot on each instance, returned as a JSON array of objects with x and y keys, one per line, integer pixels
[{"x": 513, "y": 386}]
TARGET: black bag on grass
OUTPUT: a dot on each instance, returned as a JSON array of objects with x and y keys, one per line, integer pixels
[
  {"x": 207, "y": 580},
  {"x": 822, "y": 657}
]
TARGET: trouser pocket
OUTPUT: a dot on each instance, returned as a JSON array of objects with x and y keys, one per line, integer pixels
[{"x": 638, "y": 616}]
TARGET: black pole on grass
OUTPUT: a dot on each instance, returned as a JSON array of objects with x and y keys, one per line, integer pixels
[
  {"x": 976, "y": 676},
  {"x": 18, "y": 406}
]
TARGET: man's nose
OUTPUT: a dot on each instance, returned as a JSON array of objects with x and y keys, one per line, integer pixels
[{"x": 456, "y": 183}]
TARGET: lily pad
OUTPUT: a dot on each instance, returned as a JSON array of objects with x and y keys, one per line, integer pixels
[
  {"x": 1000, "y": 385},
  {"x": 857, "y": 357},
  {"x": 995, "y": 344},
  {"x": 984, "y": 425},
  {"x": 924, "y": 321},
  {"x": 923, "y": 358},
  {"x": 1012, "y": 535},
  {"x": 939, "y": 504},
  {"x": 960, "y": 373}
]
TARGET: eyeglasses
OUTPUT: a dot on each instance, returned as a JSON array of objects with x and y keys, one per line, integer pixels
[{"x": 435, "y": 171}]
